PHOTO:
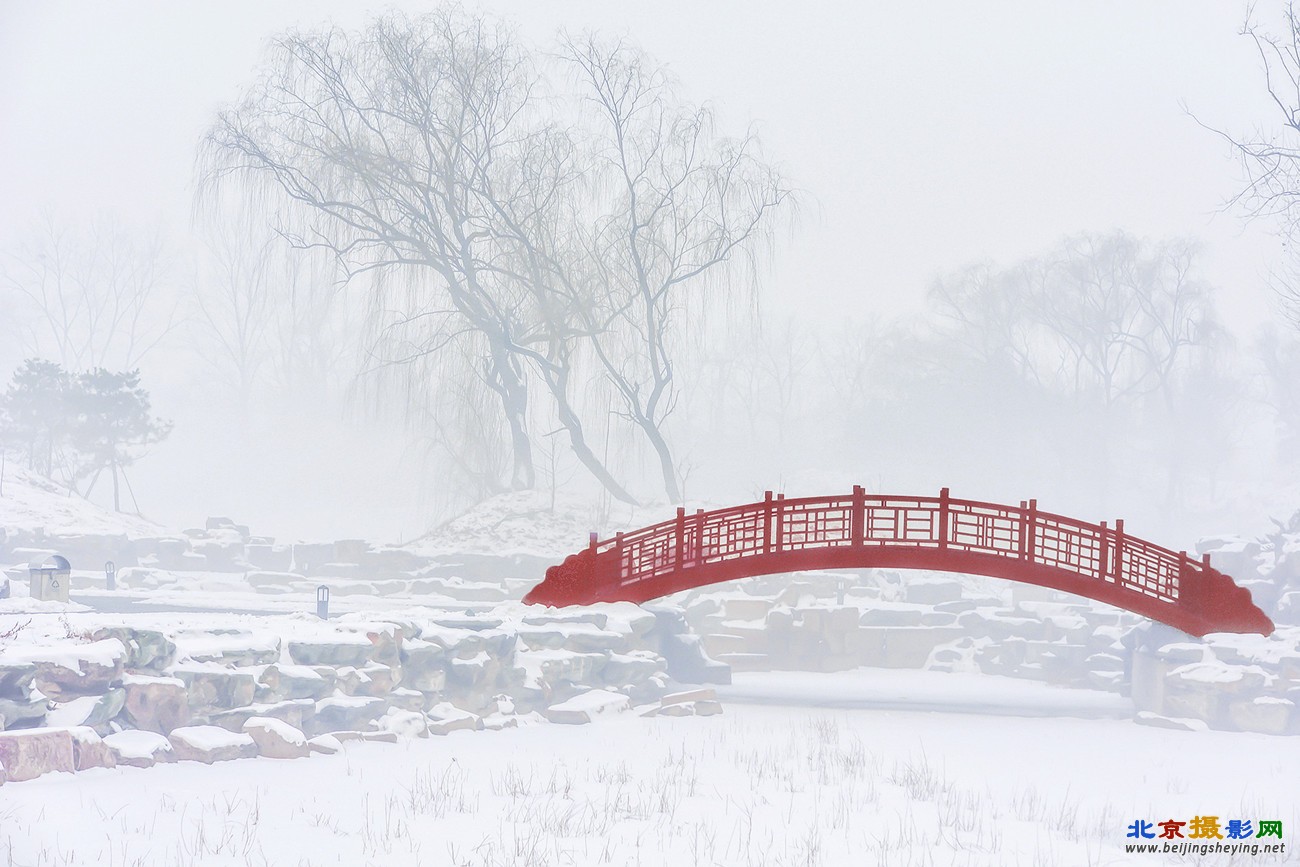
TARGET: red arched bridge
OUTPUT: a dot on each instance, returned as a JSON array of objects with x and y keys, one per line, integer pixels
[{"x": 862, "y": 530}]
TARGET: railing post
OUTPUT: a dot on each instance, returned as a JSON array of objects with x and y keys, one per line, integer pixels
[
  {"x": 1103, "y": 553},
  {"x": 1031, "y": 529},
  {"x": 767, "y": 522},
  {"x": 1022, "y": 546},
  {"x": 943, "y": 518},
  {"x": 1185, "y": 594},
  {"x": 777, "y": 540},
  {"x": 858, "y": 517},
  {"x": 699, "y": 537},
  {"x": 680, "y": 540},
  {"x": 618, "y": 557},
  {"x": 1119, "y": 550}
]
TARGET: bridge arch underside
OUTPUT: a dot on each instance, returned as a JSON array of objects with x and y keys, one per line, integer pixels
[{"x": 1181, "y": 616}]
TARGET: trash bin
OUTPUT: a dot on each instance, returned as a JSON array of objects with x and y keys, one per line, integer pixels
[{"x": 51, "y": 579}]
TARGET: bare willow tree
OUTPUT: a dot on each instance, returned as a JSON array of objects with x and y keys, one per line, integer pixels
[
  {"x": 1270, "y": 155},
  {"x": 383, "y": 137},
  {"x": 678, "y": 204},
  {"x": 428, "y": 157},
  {"x": 95, "y": 296}
]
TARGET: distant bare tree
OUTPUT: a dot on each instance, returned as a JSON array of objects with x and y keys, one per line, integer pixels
[
  {"x": 96, "y": 297},
  {"x": 1099, "y": 318},
  {"x": 235, "y": 300},
  {"x": 682, "y": 205}
]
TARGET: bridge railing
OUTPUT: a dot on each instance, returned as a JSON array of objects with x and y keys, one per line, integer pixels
[{"x": 778, "y": 525}]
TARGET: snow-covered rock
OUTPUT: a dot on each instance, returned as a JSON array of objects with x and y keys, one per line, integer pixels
[
  {"x": 29, "y": 753},
  {"x": 139, "y": 749},
  {"x": 445, "y": 718},
  {"x": 73, "y": 669},
  {"x": 276, "y": 739},
  {"x": 585, "y": 707},
  {"x": 405, "y": 723},
  {"x": 89, "y": 750},
  {"x": 346, "y": 713},
  {"x": 156, "y": 704},
  {"x": 208, "y": 744}
]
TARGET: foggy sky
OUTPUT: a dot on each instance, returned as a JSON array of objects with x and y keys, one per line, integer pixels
[{"x": 924, "y": 136}]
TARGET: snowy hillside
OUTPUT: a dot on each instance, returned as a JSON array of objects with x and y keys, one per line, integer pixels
[{"x": 30, "y": 501}]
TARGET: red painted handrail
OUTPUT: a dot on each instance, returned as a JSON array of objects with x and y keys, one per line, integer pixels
[{"x": 1020, "y": 543}]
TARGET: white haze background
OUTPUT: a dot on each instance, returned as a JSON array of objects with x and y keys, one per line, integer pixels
[{"x": 922, "y": 138}]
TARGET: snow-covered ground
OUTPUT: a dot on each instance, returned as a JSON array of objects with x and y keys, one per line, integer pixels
[{"x": 796, "y": 783}]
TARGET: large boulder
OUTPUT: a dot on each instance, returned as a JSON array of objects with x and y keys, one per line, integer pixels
[
  {"x": 212, "y": 687},
  {"x": 15, "y": 678},
  {"x": 146, "y": 648},
  {"x": 286, "y": 681},
  {"x": 140, "y": 749},
  {"x": 445, "y": 718},
  {"x": 28, "y": 753},
  {"x": 69, "y": 670},
  {"x": 346, "y": 713},
  {"x": 587, "y": 706},
  {"x": 373, "y": 680},
  {"x": 208, "y": 744},
  {"x": 156, "y": 704},
  {"x": 24, "y": 711},
  {"x": 341, "y": 649},
  {"x": 230, "y": 646},
  {"x": 276, "y": 739},
  {"x": 404, "y": 723},
  {"x": 89, "y": 750},
  {"x": 424, "y": 665},
  {"x": 294, "y": 712}
]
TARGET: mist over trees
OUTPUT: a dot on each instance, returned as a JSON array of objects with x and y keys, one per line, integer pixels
[
  {"x": 531, "y": 237},
  {"x": 536, "y": 266}
]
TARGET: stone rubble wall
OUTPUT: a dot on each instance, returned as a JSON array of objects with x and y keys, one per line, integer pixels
[{"x": 161, "y": 695}]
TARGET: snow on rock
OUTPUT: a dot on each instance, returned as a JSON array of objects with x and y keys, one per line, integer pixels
[
  {"x": 445, "y": 718},
  {"x": 325, "y": 744},
  {"x": 211, "y": 686},
  {"x": 208, "y": 744},
  {"x": 95, "y": 711},
  {"x": 229, "y": 646},
  {"x": 140, "y": 749},
  {"x": 1147, "y": 718},
  {"x": 585, "y": 707},
  {"x": 346, "y": 713},
  {"x": 146, "y": 648},
  {"x": 276, "y": 739},
  {"x": 29, "y": 753},
  {"x": 89, "y": 750},
  {"x": 338, "y": 649},
  {"x": 72, "y": 669},
  {"x": 405, "y": 723},
  {"x": 156, "y": 704}
]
